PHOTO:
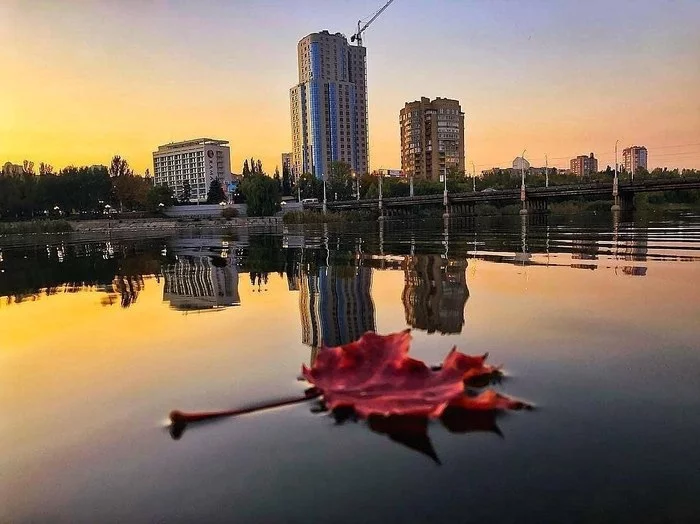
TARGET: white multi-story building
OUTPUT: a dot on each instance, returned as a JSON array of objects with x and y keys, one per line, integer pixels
[
  {"x": 329, "y": 105},
  {"x": 197, "y": 162}
]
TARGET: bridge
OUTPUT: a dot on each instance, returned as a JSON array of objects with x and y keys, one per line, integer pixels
[{"x": 534, "y": 199}]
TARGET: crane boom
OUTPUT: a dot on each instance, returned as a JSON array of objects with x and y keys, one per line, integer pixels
[{"x": 361, "y": 28}]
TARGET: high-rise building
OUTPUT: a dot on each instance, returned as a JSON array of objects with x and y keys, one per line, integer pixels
[
  {"x": 287, "y": 162},
  {"x": 196, "y": 162},
  {"x": 634, "y": 157},
  {"x": 584, "y": 165},
  {"x": 329, "y": 105},
  {"x": 435, "y": 293},
  {"x": 432, "y": 137}
]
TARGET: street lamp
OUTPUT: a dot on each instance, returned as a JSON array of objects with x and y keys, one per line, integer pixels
[
  {"x": 616, "y": 198},
  {"x": 357, "y": 189},
  {"x": 108, "y": 210},
  {"x": 523, "y": 211},
  {"x": 546, "y": 171},
  {"x": 473, "y": 178},
  {"x": 324, "y": 192}
]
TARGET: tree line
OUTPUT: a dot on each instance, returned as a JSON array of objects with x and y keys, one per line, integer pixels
[{"x": 78, "y": 190}]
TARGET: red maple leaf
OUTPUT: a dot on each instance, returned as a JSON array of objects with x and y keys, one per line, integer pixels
[{"x": 375, "y": 376}]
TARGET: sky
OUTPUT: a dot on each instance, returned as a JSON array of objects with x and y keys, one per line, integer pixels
[{"x": 84, "y": 80}]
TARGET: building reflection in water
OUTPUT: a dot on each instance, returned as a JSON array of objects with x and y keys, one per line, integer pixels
[
  {"x": 335, "y": 305},
  {"x": 195, "y": 283},
  {"x": 435, "y": 293}
]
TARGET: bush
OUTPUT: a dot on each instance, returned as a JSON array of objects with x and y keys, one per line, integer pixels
[{"x": 228, "y": 213}]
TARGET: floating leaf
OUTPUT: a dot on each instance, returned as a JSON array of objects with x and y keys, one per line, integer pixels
[{"x": 375, "y": 376}]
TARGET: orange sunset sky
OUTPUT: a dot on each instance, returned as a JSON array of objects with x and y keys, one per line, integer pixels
[{"x": 86, "y": 79}]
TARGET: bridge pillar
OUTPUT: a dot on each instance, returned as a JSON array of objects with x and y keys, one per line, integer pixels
[{"x": 626, "y": 201}]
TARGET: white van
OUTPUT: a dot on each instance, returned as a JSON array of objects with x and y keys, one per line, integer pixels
[{"x": 310, "y": 201}]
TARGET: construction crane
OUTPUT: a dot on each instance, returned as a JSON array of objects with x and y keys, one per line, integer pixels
[{"x": 357, "y": 37}]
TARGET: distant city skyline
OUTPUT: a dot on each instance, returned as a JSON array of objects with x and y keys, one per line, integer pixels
[{"x": 110, "y": 78}]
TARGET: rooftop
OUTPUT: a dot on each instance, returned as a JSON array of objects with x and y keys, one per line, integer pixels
[{"x": 193, "y": 142}]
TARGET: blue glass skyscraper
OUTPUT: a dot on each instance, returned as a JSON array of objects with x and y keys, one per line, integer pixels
[{"x": 329, "y": 105}]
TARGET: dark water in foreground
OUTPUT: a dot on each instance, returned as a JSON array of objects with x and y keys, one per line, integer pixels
[{"x": 595, "y": 321}]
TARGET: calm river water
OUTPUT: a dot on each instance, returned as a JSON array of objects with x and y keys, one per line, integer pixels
[{"x": 596, "y": 321}]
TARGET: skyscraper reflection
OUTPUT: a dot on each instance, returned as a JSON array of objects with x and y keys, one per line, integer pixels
[
  {"x": 435, "y": 293},
  {"x": 335, "y": 305}
]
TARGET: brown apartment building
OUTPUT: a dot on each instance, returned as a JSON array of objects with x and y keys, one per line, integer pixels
[{"x": 432, "y": 137}]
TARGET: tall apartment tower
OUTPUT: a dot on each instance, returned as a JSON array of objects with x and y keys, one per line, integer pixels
[
  {"x": 634, "y": 157},
  {"x": 329, "y": 105},
  {"x": 432, "y": 137}
]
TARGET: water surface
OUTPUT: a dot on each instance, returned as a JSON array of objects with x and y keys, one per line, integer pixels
[{"x": 595, "y": 321}]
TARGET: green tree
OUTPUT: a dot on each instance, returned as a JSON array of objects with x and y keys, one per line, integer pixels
[
  {"x": 340, "y": 181},
  {"x": 246, "y": 169},
  {"x": 216, "y": 192},
  {"x": 278, "y": 179},
  {"x": 286, "y": 181},
  {"x": 259, "y": 168},
  {"x": 186, "y": 192},
  {"x": 157, "y": 195},
  {"x": 261, "y": 194}
]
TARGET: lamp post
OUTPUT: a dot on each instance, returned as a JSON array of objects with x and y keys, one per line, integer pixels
[
  {"x": 615, "y": 193},
  {"x": 161, "y": 206},
  {"x": 546, "y": 171},
  {"x": 324, "y": 193},
  {"x": 473, "y": 178},
  {"x": 381, "y": 213},
  {"x": 523, "y": 211},
  {"x": 357, "y": 189},
  {"x": 108, "y": 209},
  {"x": 411, "y": 184}
]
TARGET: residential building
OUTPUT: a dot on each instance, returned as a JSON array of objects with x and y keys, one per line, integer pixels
[
  {"x": 634, "y": 157},
  {"x": 584, "y": 165},
  {"x": 329, "y": 105},
  {"x": 520, "y": 163},
  {"x": 196, "y": 162},
  {"x": 287, "y": 162},
  {"x": 432, "y": 137},
  {"x": 389, "y": 173}
]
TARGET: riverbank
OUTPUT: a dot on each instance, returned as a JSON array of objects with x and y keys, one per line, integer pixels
[{"x": 131, "y": 225}]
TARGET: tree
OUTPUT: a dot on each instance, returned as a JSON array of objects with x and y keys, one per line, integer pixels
[
  {"x": 28, "y": 167},
  {"x": 119, "y": 167},
  {"x": 246, "y": 169},
  {"x": 262, "y": 195},
  {"x": 45, "y": 169},
  {"x": 278, "y": 179},
  {"x": 310, "y": 186},
  {"x": 340, "y": 180},
  {"x": 252, "y": 166},
  {"x": 286, "y": 181},
  {"x": 216, "y": 192},
  {"x": 260, "y": 168},
  {"x": 186, "y": 192},
  {"x": 157, "y": 195}
]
